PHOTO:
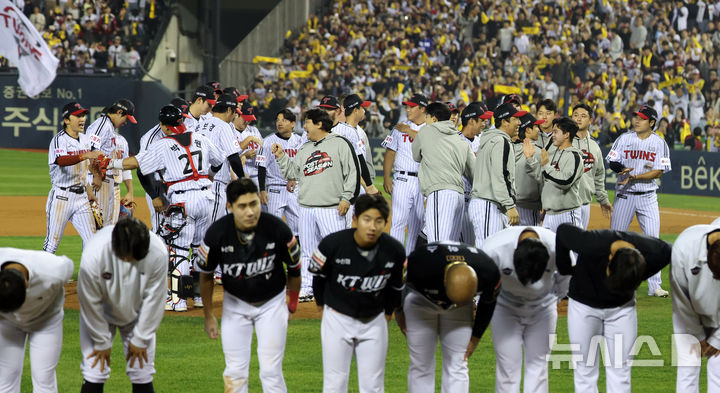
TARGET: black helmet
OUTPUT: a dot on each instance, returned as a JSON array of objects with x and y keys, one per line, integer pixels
[{"x": 172, "y": 117}]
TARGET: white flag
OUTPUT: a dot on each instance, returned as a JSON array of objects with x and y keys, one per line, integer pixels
[{"x": 25, "y": 49}]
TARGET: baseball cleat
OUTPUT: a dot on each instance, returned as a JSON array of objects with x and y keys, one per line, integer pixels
[
  {"x": 168, "y": 304},
  {"x": 218, "y": 278},
  {"x": 660, "y": 293},
  {"x": 180, "y": 306},
  {"x": 197, "y": 302}
]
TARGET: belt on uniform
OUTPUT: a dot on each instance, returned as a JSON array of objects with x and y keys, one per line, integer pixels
[
  {"x": 192, "y": 189},
  {"x": 408, "y": 173},
  {"x": 106, "y": 180},
  {"x": 638, "y": 192},
  {"x": 74, "y": 189}
]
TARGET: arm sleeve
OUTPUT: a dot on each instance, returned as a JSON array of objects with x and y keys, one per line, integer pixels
[
  {"x": 417, "y": 148},
  {"x": 351, "y": 174},
  {"x": 486, "y": 304},
  {"x": 152, "y": 187},
  {"x": 395, "y": 287},
  {"x": 470, "y": 159},
  {"x": 392, "y": 141},
  {"x": 153, "y": 303},
  {"x": 262, "y": 174},
  {"x": 614, "y": 154},
  {"x": 236, "y": 164},
  {"x": 320, "y": 267},
  {"x": 150, "y": 160},
  {"x": 685, "y": 319},
  {"x": 565, "y": 176},
  {"x": 599, "y": 178},
  {"x": 208, "y": 257},
  {"x": 616, "y": 166},
  {"x": 291, "y": 251},
  {"x": 662, "y": 159},
  {"x": 567, "y": 235},
  {"x": 501, "y": 153},
  {"x": 68, "y": 160},
  {"x": 365, "y": 172},
  {"x": 657, "y": 252},
  {"x": 91, "y": 307},
  {"x": 288, "y": 167}
]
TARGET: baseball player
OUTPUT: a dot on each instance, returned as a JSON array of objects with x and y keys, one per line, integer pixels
[
  {"x": 121, "y": 286},
  {"x": 474, "y": 120},
  {"x": 546, "y": 110},
  {"x": 70, "y": 196},
  {"x": 561, "y": 173},
  {"x": 492, "y": 206},
  {"x": 250, "y": 138},
  {"x": 250, "y": 247},
  {"x": 694, "y": 275},
  {"x": 639, "y": 158},
  {"x": 202, "y": 101},
  {"x": 528, "y": 178},
  {"x": 328, "y": 180},
  {"x": 278, "y": 194},
  {"x": 31, "y": 310},
  {"x": 104, "y": 137},
  {"x": 610, "y": 267},
  {"x": 444, "y": 158},
  {"x": 454, "y": 114},
  {"x": 185, "y": 161},
  {"x": 400, "y": 172},
  {"x": 526, "y": 311},
  {"x": 593, "y": 179},
  {"x": 442, "y": 279},
  {"x": 358, "y": 282},
  {"x": 121, "y": 151}
]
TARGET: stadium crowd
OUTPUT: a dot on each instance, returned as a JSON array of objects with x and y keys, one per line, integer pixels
[{"x": 614, "y": 55}]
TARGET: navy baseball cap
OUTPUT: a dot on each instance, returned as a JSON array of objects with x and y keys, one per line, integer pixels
[
  {"x": 453, "y": 108},
  {"x": 647, "y": 113},
  {"x": 217, "y": 89},
  {"x": 510, "y": 99},
  {"x": 529, "y": 120},
  {"x": 507, "y": 110},
  {"x": 227, "y": 100},
  {"x": 476, "y": 109},
  {"x": 207, "y": 93},
  {"x": 246, "y": 112},
  {"x": 417, "y": 99},
  {"x": 234, "y": 91},
  {"x": 353, "y": 101},
  {"x": 74, "y": 109},
  {"x": 181, "y": 104},
  {"x": 329, "y": 102},
  {"x": 128, "y": 107}
]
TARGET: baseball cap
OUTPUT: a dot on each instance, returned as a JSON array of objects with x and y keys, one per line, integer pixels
[
  {"x": 417, "y": 99},
  {"x": 207, "y": 93},
  {"x": 181, "y": 104},
  {"x": 73, "y": 108},
  {"x": 353, "y": 101},
  {"x": 476, "y": 109},
  {"x": 217, "y": 89},
  {"x": 128, "y": 107},
  {"x": 506, "y": 110},
  {"x": 234, "y": 91},
  {"x": 227, "y": 100},
  {"x": 329, "y": 102},
  {"x": 246, "y": 112},
  {"x": 453, "y": 108},
  {"x": 646, "y": 113},
  {"x": 510, "y": 99},
  {"x": 530, "y": 120}
]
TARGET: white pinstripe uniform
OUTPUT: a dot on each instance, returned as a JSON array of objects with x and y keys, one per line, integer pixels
[
  {"x": 191, "y": 123},
  {"x": 351, "y": 134},
  {"x": 281, "y": 202},
  {"x": 102, "y": 137},
  {"x": 525, "y": 315},
  {"x": 67, "y": 200},
  {"x": 148, "y": 138},
  {"x": 408, "y": 203},
  {"x": 224, "y": 137},
  {"x": 251, "y": 164},
  {"x": 467, "y": 233},
  {"x": 639, "y": 197},
  {"x": 38, "y": 321},
  {"x": 121, "y": 151}
]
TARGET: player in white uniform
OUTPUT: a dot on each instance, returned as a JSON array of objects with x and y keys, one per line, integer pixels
[
  {"x": 70, "y": 195},
  {"x": 694, "y": 279},
  {"x": 202, "y": 101},
  {"x": 31, "y": 310},
  {"x": 103, "y": 137},
  {"x": 278, "y": 194},
  {"x": 639, "y": 158},
  {"x": 185, "y": 161},
  {"x": 121, "y": 286},
  {"x": 400, "y": 172},
  {"x": 250, "y": 137},
  {"x": 526, "y": 311},
  {"x": 121, "y": 151}
]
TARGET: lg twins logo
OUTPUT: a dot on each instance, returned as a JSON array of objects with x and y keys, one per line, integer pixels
[
  {"x": 639, "y": 155},
  {"x": 317, "y": 163},
  {"x": 21, "y": 33},
  {"x": 588, "y": 160}
]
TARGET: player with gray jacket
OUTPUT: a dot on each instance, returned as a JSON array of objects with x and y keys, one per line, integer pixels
[
  {"x": 444, "y": 158},
  {"x": 528, "y": 178}
]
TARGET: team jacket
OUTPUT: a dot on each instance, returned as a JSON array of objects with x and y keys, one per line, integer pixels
[
  {"x": 115, "y": 292},
  {"x": 561, "y": 180},
  {"x": 349, "y": 283},
  {"x": 528, "y": 178},
  {"x": 327, "y": 172},
  {"x": 593, "y": 178},
  {"x": 695, "y": 293},
  {"x": 443, "y": 156},
  {"x": 45, "y": 295},
  {"x": 494, "y": 177},
  {"x": 587, "y": 284},
  {"x": 252, "y": 272},
  {"x": 426, "y": 273}
]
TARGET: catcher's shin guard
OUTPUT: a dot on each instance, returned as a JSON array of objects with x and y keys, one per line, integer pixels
[{"x": 181, "y": 283}]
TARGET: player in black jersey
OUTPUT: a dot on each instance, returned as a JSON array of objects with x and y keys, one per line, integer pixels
[
  {"x": 250, "y": 247},
  {"x": 442, "y": 279},
  {"x": 358, "y": 279}
]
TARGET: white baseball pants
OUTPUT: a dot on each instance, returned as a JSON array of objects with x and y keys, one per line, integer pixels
[
  {"x": 689, "y": 360},
  {"x": 529, "y": 217},
  {"x": 315, "y": 223},
  {"x": 408, "y": 210},
  {"x": 443, "y": 215},
  {"x": 283, "y": 203},
  {"x": 45, "y": 346},
  {"x": 467, "y": 233},
  {"x": 270, "y": 321},
  {"x": 219, "y": 205},
  {"x": 515, "y": 330},
  {"x": 618, "y": 327},
  {"x": 585, "y": 216},
  {"x": 486, "y": 218},
  {"x": 63, "y": 206},
  {"x": 426, "y": 321},
  {"x": 135, "y": 373},
  {"x": 553, "y": 221},
  {"x": 341, "y": 337},
  {"x": 108, "y": 197}
]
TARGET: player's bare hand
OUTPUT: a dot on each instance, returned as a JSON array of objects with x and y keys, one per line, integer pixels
[
  {"x": 246, "y": 142},
  {"x": 626, "y": 180},
  {"x": 372, "y": 190},
  {"x": 607, "y": 210},
  {"x": 404, "y": 128},
  {"x": 264, "y": 197},
  {"x": 91, "y": 155},
  {"x": 400, "y": 319},
  {"x": 528, "y": 148},
  {"x": 625, "y": 171},
  {"x": 96, "y": 183},
  {"x": 708, "y": 350},
  {"x": 211, "y": 327},
  {"x": 343, "y": 208},
  {"x": 158, "y": 204},
  {"x": 513, "y": 216},
  {"x": 277, "y": 150},
  {"x": 100, "y": 356},
  {"x": 471, "y": 347},
  {"x": 127, "y": 199},
  {"x": 544, "y": 157},
  {"x": 136, "y": 353},
  {"x": 290, "y": 186},
  {"x": 91, "y": 197},
  {"x": 250, "y": 154},
  {"x": 387, "y": 185}
]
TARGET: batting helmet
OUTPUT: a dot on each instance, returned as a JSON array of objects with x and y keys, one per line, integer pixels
[{"x": 172, "y": 117}]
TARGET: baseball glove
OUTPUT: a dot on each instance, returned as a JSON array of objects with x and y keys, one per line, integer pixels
[
  {"x": 127, "y": 209},
  {"x": 97, "y": 214},
  {"x": 100, "y": 166}
]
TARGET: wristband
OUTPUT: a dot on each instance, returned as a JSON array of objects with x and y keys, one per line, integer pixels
[
  {"x": 116, "y": 163},
  {"x": 293, "y": 303}
]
